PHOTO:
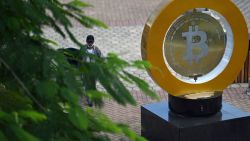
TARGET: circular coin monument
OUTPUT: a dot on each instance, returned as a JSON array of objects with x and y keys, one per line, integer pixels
[{"x": 196, "y": 50}]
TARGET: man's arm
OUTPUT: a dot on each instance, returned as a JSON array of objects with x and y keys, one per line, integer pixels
[{"x": 98, "y": 52}]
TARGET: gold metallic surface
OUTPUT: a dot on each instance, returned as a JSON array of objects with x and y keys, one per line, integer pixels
[
  {"x": 202, "y": 95},
  {"x": 155, "y": 32},
  {"x": 176, "y": 45}
]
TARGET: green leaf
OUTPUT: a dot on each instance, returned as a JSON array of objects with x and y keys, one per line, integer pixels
[
  {"x": 115, "y": 63},
  {"x": 33, "y": 115},
  {"x": 103, "y": 123},
  {"x": 41, "y": 39},
  {"x": 13, "y": 101},
  {"x": 47, "y": 89},
  {"x": 2, "y": 114},
  {"x": 71, "y": 82},
  {"x": 78, "y": 3},
  {"x": 141, "y": 64},
  {"x": 69, "y": 95},
  {"x": 23, "y": 135},
  {"x": 90, "y": 22},
  {"x": 13, "y": 23},
  {"x": 97, "y": 94},
  {"x": 2, "y": 136},
  {"x": 65, "y": 107},
  {"x": 97, "y": 97},
  {"x": 78, "y": 118},
  {"x": 131, "y": 134},
  {"x": 115, "y": 88},
  {"x": 57, "y": 28},
  {"x": 6, "y": 117}
]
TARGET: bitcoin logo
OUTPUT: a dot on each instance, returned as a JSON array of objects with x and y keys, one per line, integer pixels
[
  {"x": 191, "y": 43},
  {"x": 194, "y": 45}
]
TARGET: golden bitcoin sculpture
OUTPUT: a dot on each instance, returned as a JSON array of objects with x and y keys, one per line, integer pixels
[
  {"x": 194, "y": 44},
  {"x": 195, "y": 47}
]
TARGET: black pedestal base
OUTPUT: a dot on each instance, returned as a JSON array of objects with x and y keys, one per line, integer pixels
[
  {"x": 195, "y": 107},
  {"x": 159, "y": 124}
]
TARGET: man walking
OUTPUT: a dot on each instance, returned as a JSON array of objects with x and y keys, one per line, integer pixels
[{"x": 90, "y": 50}]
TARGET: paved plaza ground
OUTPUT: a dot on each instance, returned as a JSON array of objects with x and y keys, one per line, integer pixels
[{"x": 126, "y": 19}]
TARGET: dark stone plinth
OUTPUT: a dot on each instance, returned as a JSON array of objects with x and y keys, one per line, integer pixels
[
  {"x": 195, "y": 107},
  {"x": 159, "y": 124}
]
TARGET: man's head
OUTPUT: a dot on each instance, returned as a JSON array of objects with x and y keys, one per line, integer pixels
[{"x": 90, "y": 40}]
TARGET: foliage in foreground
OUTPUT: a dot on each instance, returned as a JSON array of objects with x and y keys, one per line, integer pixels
[{"x": 40, "y": 90}]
